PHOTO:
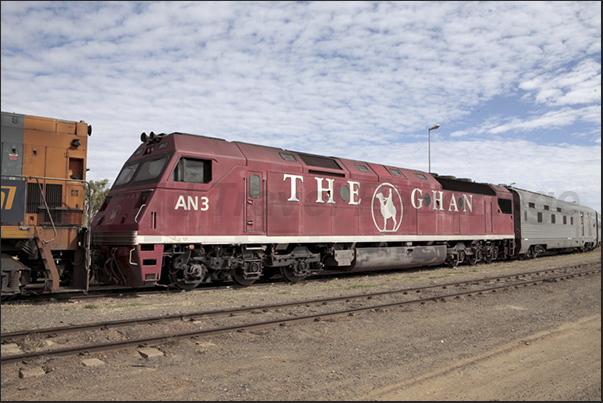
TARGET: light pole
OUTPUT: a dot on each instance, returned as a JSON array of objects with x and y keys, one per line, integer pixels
[{"x": 429, "y": 144}]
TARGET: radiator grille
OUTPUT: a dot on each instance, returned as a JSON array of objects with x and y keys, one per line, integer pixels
[
  {"x": 114, "y": 238},
  {"x": 34, "y": 198},
  {"x": 319, "y": 161},
  {"x": 53, "y": 193}
]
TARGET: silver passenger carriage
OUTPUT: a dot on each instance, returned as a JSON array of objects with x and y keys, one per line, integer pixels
[{"x": 545, "y": 223}]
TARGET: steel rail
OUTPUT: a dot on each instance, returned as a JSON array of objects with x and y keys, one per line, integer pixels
[
  {"x": 152, "y": 341},
  {"x": 125, "y": 292},
  {"x": 55, "y": 331}
]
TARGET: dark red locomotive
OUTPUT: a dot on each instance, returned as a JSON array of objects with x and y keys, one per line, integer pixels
[{"x": 188, "y": 209}]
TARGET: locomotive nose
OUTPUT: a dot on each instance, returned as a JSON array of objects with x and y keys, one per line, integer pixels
[{"x": 124, "y": 208}]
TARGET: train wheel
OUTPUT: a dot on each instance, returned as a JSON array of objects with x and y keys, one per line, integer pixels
[
  {"x": 489, "y": 255},
  {"x": 239, "y": 278},
  {"x": 246, "y": 274},
  {"x": 532, "y": 252},
  {"x": 189, "y": 277},
  {"x": 186, "y": 285},
  {"x": 289, "y": 274},
  {"x": 453, "y": 261}
]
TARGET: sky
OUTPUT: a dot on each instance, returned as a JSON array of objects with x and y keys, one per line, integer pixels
[{"x": 514, "y": 86}]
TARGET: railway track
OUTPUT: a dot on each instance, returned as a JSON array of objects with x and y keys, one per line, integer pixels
[
  {"x": 101, "y": 292},
  {"x": 288, "y": 313}
]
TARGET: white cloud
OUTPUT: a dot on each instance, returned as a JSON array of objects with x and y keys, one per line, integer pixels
[
  {"x": 555, "y": 118},
  {"x": 581, "y": 85}
]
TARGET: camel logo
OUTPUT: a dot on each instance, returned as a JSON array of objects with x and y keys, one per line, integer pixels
[
  {"x": 389, "y": 207},
  {"x": 113, "y": 214}
]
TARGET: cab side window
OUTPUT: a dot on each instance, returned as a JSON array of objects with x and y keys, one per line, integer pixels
[
  {"x": 255, "y": 183},
  {"x": 192, "y": 170}
]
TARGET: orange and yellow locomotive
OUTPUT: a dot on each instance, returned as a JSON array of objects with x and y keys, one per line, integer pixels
[{"x": 44, "y": 238}]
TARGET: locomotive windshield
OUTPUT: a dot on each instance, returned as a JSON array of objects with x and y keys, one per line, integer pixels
[
  {"x": 126, "y": 174},
  {"x": 141, "y": 171}
]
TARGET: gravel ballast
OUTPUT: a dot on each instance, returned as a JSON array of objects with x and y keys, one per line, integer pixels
[{"x": 532, "y": 343}]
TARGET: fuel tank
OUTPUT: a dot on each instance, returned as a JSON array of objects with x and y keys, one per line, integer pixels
[{"x": 398, "y": 257}]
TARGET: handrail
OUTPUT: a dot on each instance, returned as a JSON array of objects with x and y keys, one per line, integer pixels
[
  {"x": 139, "y": 210},
  {"x": 49, "y": 213},
  {"x": 44, "y": 177}
]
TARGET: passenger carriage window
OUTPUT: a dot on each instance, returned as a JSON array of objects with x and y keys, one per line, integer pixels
[
  {"x": 255, "y": 186},
  {"x": 193, "y": 170}
]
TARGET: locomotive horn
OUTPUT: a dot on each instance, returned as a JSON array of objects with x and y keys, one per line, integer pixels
[{"x": 143, "y": 137}]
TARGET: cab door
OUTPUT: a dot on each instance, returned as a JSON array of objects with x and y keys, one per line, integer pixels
[
  {"x": 488, "y": 217},
  {"x": 255, "y": 205}
]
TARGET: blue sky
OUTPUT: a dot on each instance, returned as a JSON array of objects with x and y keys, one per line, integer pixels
[{"x": 514, "y": 86}]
